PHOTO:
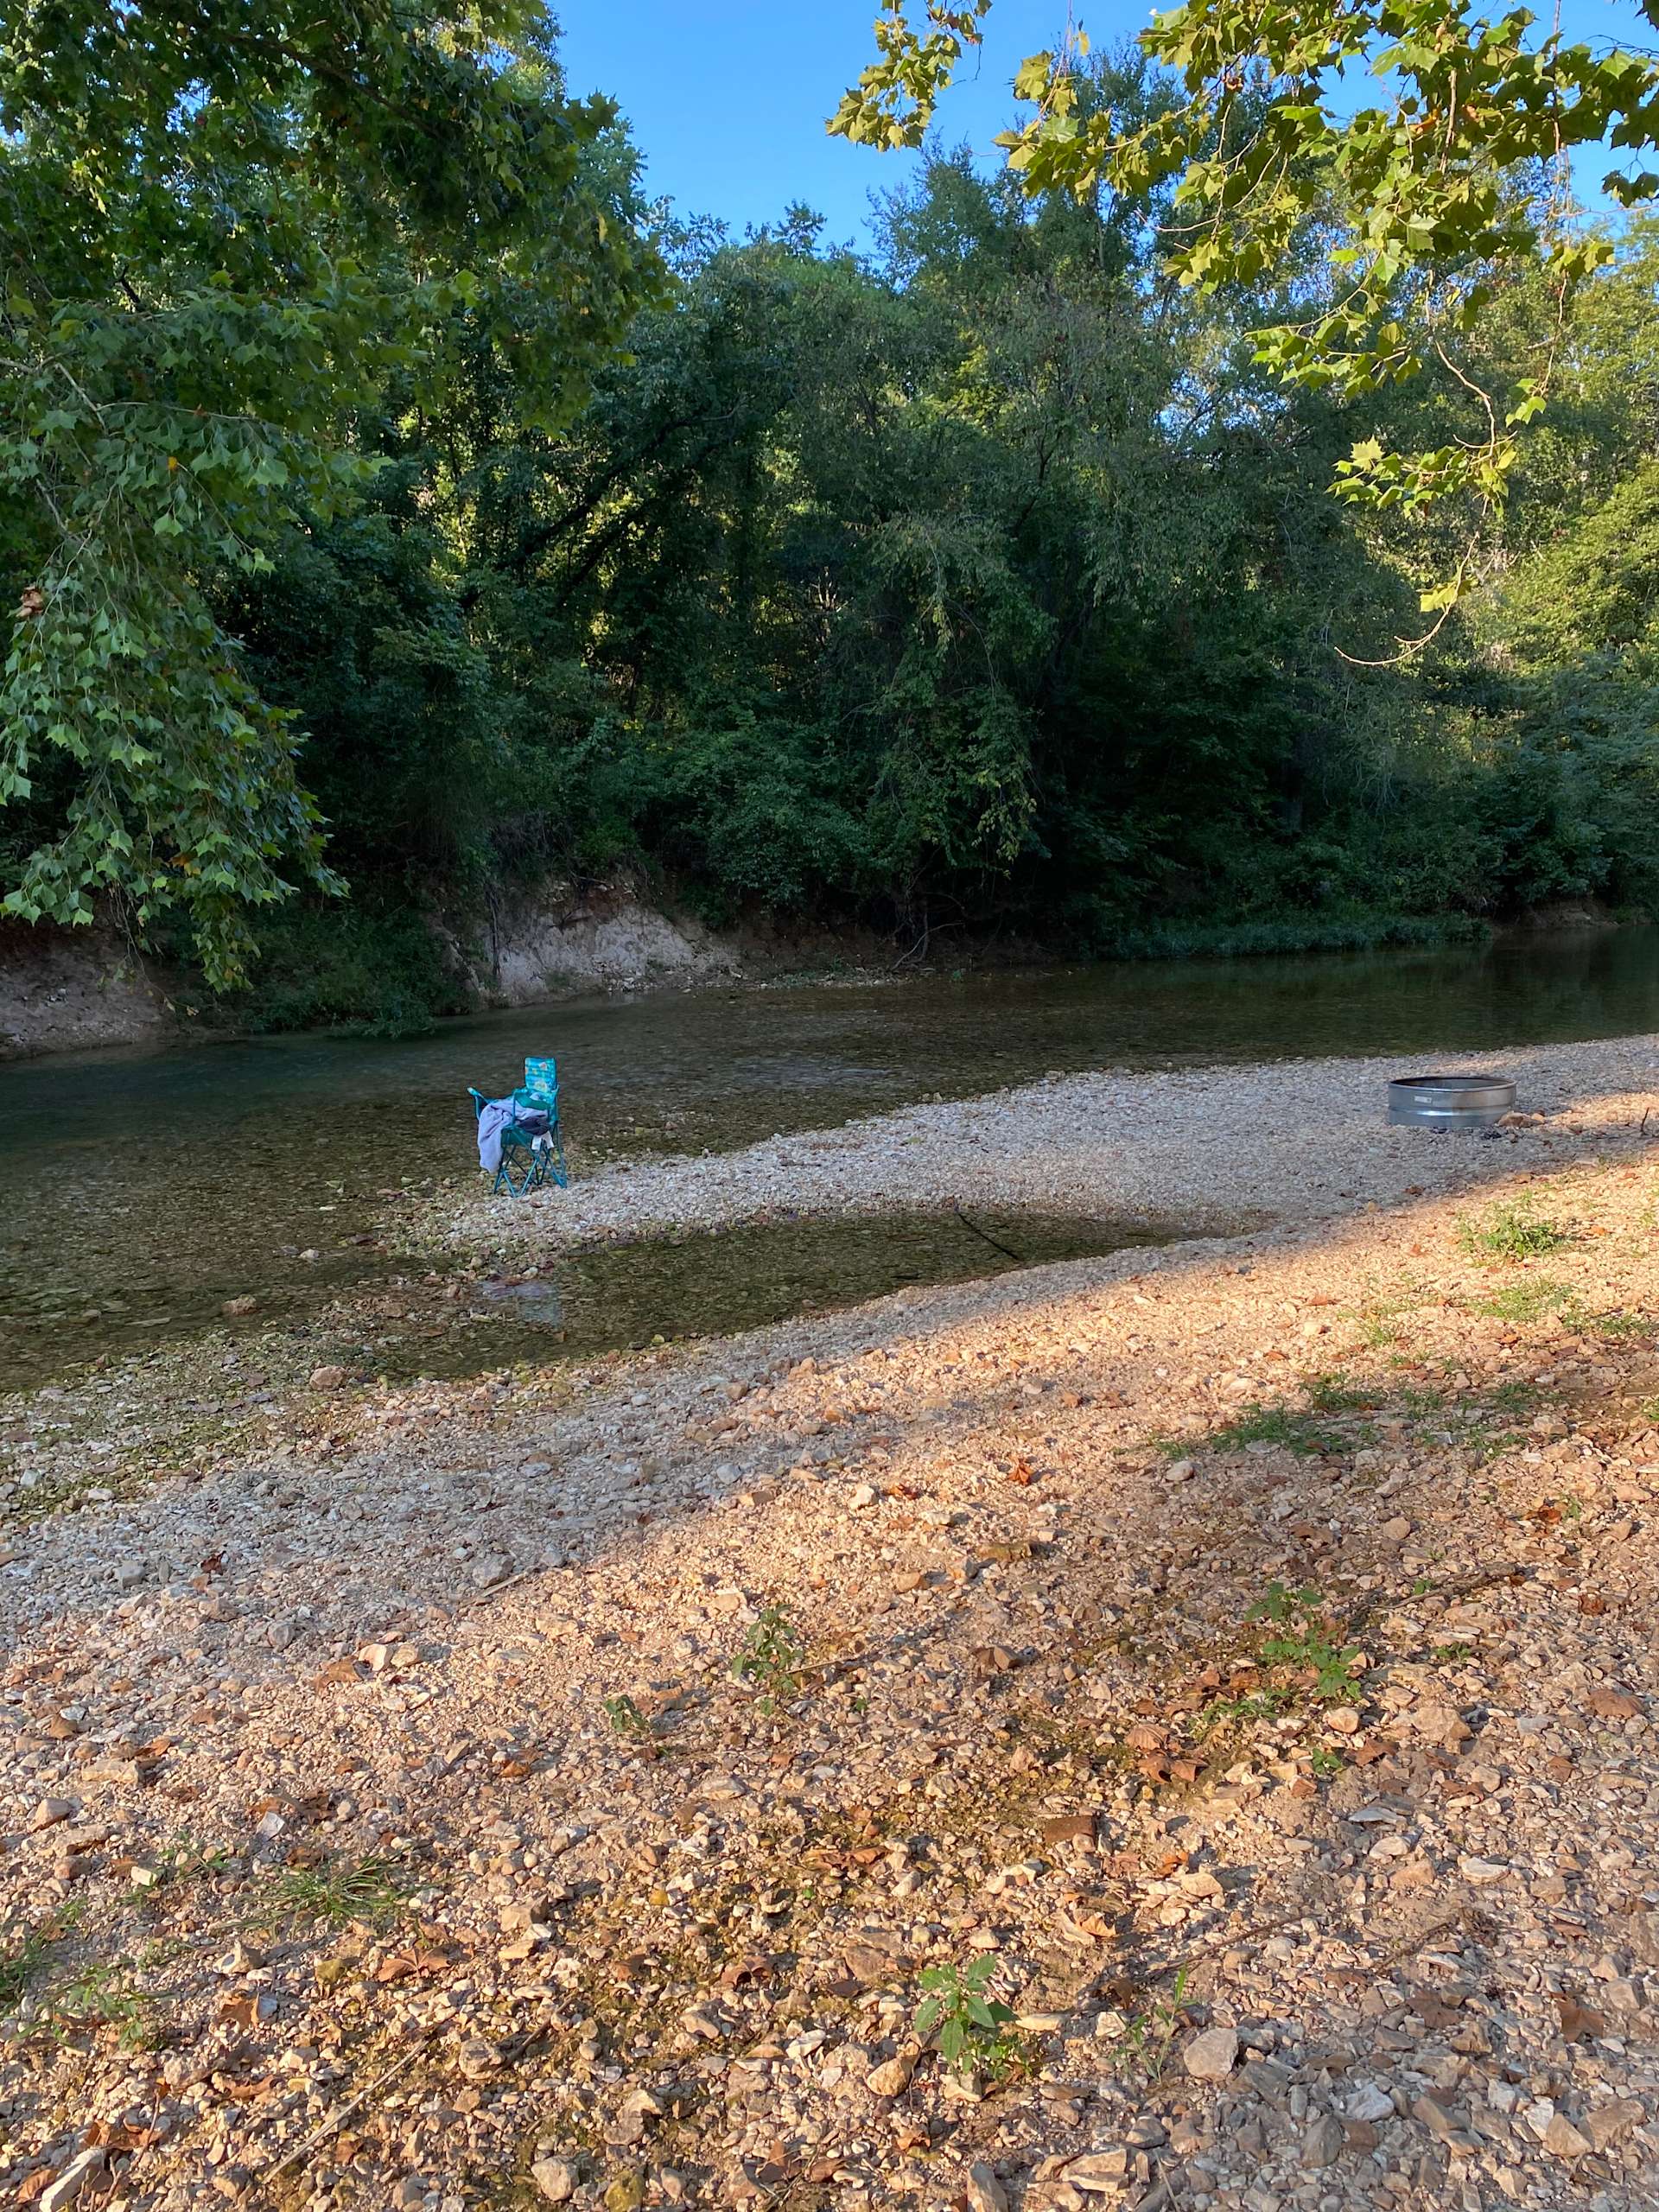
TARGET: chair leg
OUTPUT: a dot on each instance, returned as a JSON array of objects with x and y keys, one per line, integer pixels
[{"x": 542, "y": 1163}]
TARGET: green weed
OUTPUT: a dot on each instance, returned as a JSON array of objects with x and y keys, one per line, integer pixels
[
  {"x": 1514, "y": 1231},
  {"x": 23, "y": 1952},
  {"x": 1151, "y": 2034},
  {"x": 972, "y": 2025},
  {"x": 771, "y": 1659},
  {"x": 1306, "y": 1642},
  {"x": 1333, "y": 1394},
  {"x": 1509, "y": 1401},
  {"x": 1379, "y": 1320},
  {"x": 374, "y": 1890},
  {"x": 180, "y": 1859},
  {"x": 1528, "y": 1301},
  {"x": 1418, "y": 1401},
  {"x": 1280, "y": 1425},
  {"x": 99, "y": 1996},
  {"x": 1225, "y": 1711},
  {"x": 1621, "y": 1328},
  {"x": 1325, "y": 1762},
  {"x": 626, "y": 1717}
]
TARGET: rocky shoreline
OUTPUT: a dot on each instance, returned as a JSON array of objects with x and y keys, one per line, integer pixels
[
  {"x": 1200, "y": 1147},
  {"x": 1218, "y": 1682}
]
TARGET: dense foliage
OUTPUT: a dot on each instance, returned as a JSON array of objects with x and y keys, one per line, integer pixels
[
  {"x": 985, "y": 582},
  {"x": 231, "y": 229},
  {"x": 1270, "y": 127}
]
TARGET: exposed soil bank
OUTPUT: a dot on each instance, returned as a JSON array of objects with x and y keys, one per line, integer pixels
[
  {"x": 385, "y": 1825},
  {"x": 72, "y": 991},
  {"x": 563, "y": 942},
  {"x": 64, "y": 991}
]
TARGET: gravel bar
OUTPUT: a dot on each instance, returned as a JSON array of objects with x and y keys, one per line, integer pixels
[
  {"x": 1290, "y": 1139},
  {"x": 1231, "y": 1665}
]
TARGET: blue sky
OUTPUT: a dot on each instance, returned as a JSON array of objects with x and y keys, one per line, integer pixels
[{"x": 727, "y": 97}]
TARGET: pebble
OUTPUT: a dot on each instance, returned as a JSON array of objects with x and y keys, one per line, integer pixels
[
  {"x": 1322, "y": 2145},
  {"x": 1483, "y": 1872},
  {"x": 1210, "y": 2056},
  {"x": 1101, "y": 2172},
  {"x": 982, "y": 2190},
  {"x": 1566, "y": 2140},
  {"x": 891, "y": 2078},
  {"x": 1610, "y": 2124},
  {"x": 556, "y": 2178},
  {"x": 1369, "y": 2101}
]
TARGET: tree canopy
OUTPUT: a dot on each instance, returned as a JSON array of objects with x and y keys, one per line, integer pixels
[
  {"x": 389, "y": 499},
  {"x": 233, "y": 231},
  {"x": 1426, "y": 201}
]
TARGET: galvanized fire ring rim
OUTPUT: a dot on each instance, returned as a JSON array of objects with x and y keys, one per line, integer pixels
[{"x": 1474, "y": 1101}]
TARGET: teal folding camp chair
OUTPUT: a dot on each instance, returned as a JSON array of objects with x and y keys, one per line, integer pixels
[{"x": 532, "y": 1141}]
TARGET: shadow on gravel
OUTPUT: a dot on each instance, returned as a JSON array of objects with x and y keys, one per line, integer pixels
[{"x": 1057, "y": 1387}]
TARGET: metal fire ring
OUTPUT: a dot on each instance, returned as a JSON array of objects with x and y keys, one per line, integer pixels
[{"x": 1449, "y": 1102}]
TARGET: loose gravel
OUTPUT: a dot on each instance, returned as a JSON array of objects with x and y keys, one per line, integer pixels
[
  {"x": 1233, "y": 1663},
  {"x": 1291, "y": 1139}
]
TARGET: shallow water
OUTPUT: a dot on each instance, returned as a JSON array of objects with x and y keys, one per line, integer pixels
[
  {"x": 712, "y": 1283},
  {"x": 140, "y": 1191}
]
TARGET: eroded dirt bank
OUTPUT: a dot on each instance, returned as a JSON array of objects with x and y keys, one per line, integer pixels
[
  {"x": 72, "y": 991},
  {"x": 1246, "y": 1650}
]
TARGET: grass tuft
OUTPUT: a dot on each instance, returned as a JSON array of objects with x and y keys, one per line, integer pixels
[
  {"x": 374, "y": 1890},
  {"x": 1514, "y": 1231},
  {"x": 1528, "y": 1301}
]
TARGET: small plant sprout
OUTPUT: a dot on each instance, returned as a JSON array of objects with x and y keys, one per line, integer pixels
[
  {"x": 771, "y": 1658},
  {"x": 971, "y": 2025},
  {"x": 1305, "y": 1641},
  {"x": 1152, "y": 2032},
  {"x": 180, "y": 1859},
  {"x": 100, "y": 1997},
  {"x": 24, "y": 1951},
  {"x": 626, "y": 1717}
]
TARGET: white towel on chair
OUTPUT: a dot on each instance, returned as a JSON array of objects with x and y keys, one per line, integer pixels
[{"x": 495, "y": 1117}]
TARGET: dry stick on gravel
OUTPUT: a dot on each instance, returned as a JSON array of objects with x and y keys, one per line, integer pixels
[
  {"x": 1466, "y": 1916},
  {"x": 337, "y": 2120}
]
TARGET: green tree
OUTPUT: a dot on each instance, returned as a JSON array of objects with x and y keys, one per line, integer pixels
[
  {"x": 1450, "y": 185},
  {"x": 234, "y": 232}
]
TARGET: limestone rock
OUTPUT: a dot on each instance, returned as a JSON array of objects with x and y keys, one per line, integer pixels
[
  {"x": 556, "y": 2178},
  {"x": 982, "y": 2190},
  {"x": 1211, "y": 2057}
]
